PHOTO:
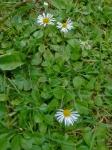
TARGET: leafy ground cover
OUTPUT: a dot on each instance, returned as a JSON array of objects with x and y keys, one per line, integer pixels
[{"x": 43, "y": 69}]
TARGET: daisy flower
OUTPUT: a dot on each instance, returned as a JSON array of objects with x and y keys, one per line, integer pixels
[
  {"x": 85, "y": 44},
  {"x": 65, "y": 26},
  {"x": 45, "y": 19},
  {"x": 67, "y": 116}
]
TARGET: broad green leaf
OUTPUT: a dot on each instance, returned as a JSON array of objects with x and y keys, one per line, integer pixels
[
  {"x": 75, "y": 53},
  {"x": 78, "y": 82},
  {"x": 27, "y": 143},
  {"x": 75, "y": 49},
  {"x": 43, "y": 107},
  {"x": 72, "y": 42},
  {"x": 16, "y": 142},
  {"x": 69, "y": 95},
  {"x": 91, "y": 84},
  {"x": 37, "y": 59},
  {"x": 87, "y": 135},
  {"x": 59, "y": 93},
  {"x": 3, "y": 135},
  {"x": 49, "y": 120},
  {"x": 101, "y": 131},
  {"x": 22, "y": 83},
  {"x": 38, "y": 118},
  {"x": 59, "y": 4},
  {"x": 38, "y": 34},
  {"x": 62, "y": 4},
  {"x": 81, "y": 107},
  {"x": 53, "y": 105},
  {"x": 100, "y": 134},
  {"x": 4, "y": 143},
  {"x": 11, "y": 61}
]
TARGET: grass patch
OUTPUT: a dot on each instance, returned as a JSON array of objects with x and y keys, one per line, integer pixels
[{"x": 43, "y": 69}]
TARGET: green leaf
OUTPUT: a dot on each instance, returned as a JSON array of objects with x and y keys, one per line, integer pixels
[
  {"x": 15, "y": 144},
  {"x": 22, "y": 83},
  {"x": 4, "y": 143},
  {"x": 75, "y": 49},
  {"x": 100, "y": 134},
  {"x": 37, "y": 59},
  {"x": 49, "y": 120},
  {"x": 3, "y": 97},
  {"x": 91, "y": 84},
  {"x": 52, "y": 105},
  {"x": 38, "y": 118},
  {"x": 81, "y": 107},
  {"x": 43, "y": 107},
  {"x": 11, "y": 61},
  {"x": 36, "y": 147},
  {"x": 78, "y": 82},
  {"x": 101, "y": 131},
  {"x": 69, "y": 95},
  {"x": 75, "y": 53},
  {"x": 27, "y": 143},
  {"x": 72, "y": 42},
  {"x": 38, "y": 34},
  {"x": 68, "y": 147},
  {"x": 59, "y": 4},
  {"x": 87, "y": 135},
  {"x": 59, "y": 92},
  {"x": 62, "y": 4},
  {"x": 98, "y": 100},
  {"x": 82, "y": 147},
  {"x": 46, "y": 93},
  {"x": 42, "y": 128}
]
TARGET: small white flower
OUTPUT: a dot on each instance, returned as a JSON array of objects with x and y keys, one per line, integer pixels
[
  {"x": 45, "y": 19},
  {"x": 85, "y": 44},
  {"x": 65, "y": 26},
  {"x": 45, "y": 4},
  {"x": 67, "y": 116}
]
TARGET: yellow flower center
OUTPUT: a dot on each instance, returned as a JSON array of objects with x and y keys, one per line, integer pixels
[
  {"x": 46, "y": 20},
  {"x": 66, "y": 113},
  {"x": 64, "y": 25}
]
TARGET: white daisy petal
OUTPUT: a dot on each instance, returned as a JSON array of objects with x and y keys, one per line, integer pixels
[
  {"x": 60, "y": 111},
  {"x": 75, "y": 114},
  {"x": 60, "y": 119},
  {"x": 74, "y": 117},
  {"x": 58, "y": 114},
  {"x": 68, "y": 121},
  {"x": 59, "y": 25}
]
